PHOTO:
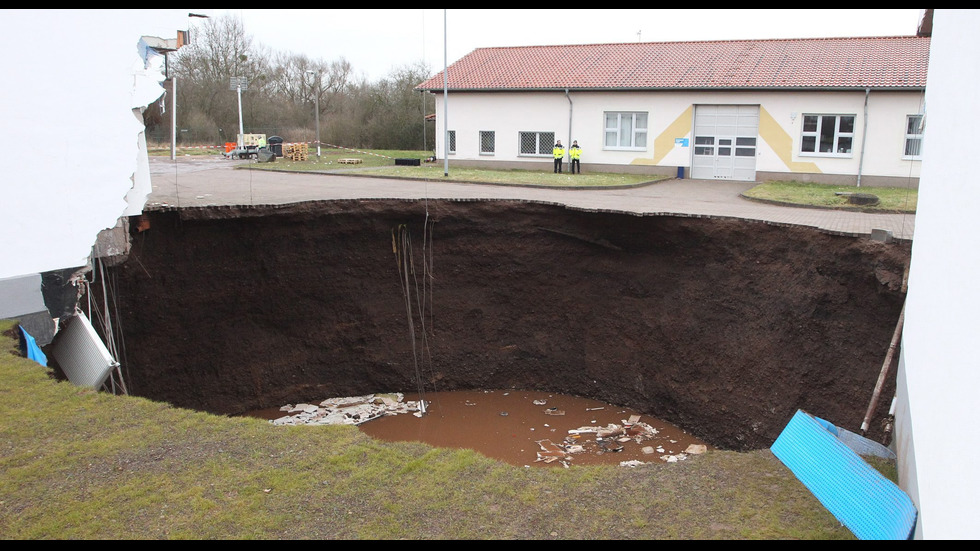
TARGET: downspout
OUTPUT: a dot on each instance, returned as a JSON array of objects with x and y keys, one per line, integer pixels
[
  {"x": 569, "y": 140},
  {"x": 864, "y": 136}
]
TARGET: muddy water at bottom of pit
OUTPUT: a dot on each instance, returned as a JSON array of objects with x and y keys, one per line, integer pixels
[{"x": 512, "y": 425}]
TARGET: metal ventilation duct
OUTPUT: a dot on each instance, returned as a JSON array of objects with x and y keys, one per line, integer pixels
[{"x": 80, "y": 353}]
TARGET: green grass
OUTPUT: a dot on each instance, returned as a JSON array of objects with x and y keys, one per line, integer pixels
[
  {"x": 80, "y": 464},
  {"x": 891, "y": 199},
  {"x": 380, "y": 162}
]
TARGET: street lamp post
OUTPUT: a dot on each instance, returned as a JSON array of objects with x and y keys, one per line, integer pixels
[
  {"x": 239, "y": 84},
  {"x": 316, "y": 99}
]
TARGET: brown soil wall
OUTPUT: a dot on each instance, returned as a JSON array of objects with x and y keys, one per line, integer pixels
[{"x": 722, "y": 327}]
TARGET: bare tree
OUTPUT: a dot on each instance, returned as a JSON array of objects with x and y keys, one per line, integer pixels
[{"x": 283, "y": 91}]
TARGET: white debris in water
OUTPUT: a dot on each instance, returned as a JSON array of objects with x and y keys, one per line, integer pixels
[
  {"x": 352, "y": 410},
  {"x": 674, "y": 458},
  {"x": 631, "y": 463}
]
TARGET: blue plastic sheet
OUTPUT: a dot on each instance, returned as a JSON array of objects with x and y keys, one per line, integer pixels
[
  {"x": 31, "y": 349},
  {"x": 868, "y": 504}
]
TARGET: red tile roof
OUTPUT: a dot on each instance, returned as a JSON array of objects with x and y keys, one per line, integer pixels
[{"x": 875, "y": 62}]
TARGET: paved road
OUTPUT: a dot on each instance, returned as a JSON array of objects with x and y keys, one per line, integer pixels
[{"x": 202, "y": 181}]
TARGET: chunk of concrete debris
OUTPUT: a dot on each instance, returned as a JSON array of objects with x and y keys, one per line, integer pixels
[
  {"x": 352, "y": 410},
  {"x": 554, "y": 411},
  {"x": 674, "y": 458},
  {"x": 696, "y": 449},
  {"x": 550, "y": 452}
]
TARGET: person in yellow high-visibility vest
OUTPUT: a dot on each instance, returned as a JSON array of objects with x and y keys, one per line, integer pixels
[
  {"x": 574, "y": 156},
  {"x": 559, "y": 153}
]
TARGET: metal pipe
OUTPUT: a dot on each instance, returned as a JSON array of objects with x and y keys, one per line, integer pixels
[
  {"x": 241, "y": 127},
  {"x": 173, "y": 120},
  {"x": 445, "y": 98},
  {"x": 569, "y": 140},
  {"x": 864, "y": 135},
  {"x": 884, "y": 371}
]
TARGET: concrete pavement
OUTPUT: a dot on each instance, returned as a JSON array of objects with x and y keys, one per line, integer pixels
[{"x": 205, "y": 181}]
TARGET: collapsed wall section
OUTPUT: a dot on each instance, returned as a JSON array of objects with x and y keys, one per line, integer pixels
[{"x": 723, "y": 327}]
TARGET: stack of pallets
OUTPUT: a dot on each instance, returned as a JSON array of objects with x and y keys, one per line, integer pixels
[{"x": 296, "y": 151}]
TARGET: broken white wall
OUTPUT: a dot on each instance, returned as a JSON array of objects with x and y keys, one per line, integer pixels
[
  {"x": 936, "y": 436},
  {"x": 74, "y": 84}
]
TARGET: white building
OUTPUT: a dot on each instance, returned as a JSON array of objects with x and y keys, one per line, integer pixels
[
  {"x": 71, "y": 110},
  {"x": 834, "y": 110},
  {"x": 939, "y": 374}
]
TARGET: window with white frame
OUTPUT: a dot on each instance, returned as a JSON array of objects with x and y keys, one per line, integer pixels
[
  {"x": 625, "y": 130},
  {"x": 536, "y": 143},
  {"x": 452, "y": 142},
  {"x": 913, "y": 136},
  {"x": 487, "y": 142},
  {"x": 828, "y": 134}
]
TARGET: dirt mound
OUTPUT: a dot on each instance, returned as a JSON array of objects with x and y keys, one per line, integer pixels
[{"x": 722, "y": 327}]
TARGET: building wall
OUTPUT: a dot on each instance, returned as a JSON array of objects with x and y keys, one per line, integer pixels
[
  {"x": 70, "y": 110},
  {"x": 671, "y": 119},
  {"x": 935, "y": 433}
]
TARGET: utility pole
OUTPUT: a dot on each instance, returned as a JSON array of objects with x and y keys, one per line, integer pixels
[
  {"x": 239, "y": 84},
  {"x": 445, "y": 98},
  {"x": 173, "y": 119},
  {"x": 316, "y": 103}
]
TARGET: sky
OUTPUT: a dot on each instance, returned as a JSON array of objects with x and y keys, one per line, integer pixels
[{"x": 379, "y": 41}]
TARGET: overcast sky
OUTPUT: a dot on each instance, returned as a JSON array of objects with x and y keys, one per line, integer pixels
[{"x": 377, "y": 41}]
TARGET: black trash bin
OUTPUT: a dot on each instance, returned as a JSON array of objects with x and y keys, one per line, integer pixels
[{"x": 275, "y": 145}]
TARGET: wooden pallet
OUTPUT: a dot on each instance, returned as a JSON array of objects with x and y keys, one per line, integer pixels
[
  {"x": 296, "y": 151},
  {"x": 349, "y": 161}
]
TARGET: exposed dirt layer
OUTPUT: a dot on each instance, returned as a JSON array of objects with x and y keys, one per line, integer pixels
[{"x": 722, "y": 327}]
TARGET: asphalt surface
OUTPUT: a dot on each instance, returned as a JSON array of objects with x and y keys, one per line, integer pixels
[{"x": 205, "y": 181}]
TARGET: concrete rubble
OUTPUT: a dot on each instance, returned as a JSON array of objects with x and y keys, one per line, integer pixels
[
  {"x": 608, "y": 439},
  {"x": 611, "y": 438},
  {"x": 352, "y": 410}
]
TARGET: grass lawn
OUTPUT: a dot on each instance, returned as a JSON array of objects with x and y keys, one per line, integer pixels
[{"x": 78, "y": 464}]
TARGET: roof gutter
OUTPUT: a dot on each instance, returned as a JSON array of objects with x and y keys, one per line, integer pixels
[{"x": 864, "y": 135}]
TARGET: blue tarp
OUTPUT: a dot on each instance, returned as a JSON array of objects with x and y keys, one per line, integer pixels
[
  {"x": 30, "y": 348},
  {"x": 868, "y": 504}
]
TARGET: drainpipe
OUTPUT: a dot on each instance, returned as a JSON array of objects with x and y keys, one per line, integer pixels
[
  {"x": 569, "y": 140},
  {"x": 864, "y": 136}
]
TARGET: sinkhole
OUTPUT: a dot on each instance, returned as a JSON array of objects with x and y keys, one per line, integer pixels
[{"x": 723, "y": 327}]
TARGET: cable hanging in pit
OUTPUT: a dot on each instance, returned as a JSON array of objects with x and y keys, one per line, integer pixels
[{"x": 408, "y": 276}]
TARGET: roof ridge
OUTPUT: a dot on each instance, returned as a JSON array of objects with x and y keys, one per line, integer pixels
[
  {"x": 718, "y": 41},
  {"x": 897, "y": 62}
]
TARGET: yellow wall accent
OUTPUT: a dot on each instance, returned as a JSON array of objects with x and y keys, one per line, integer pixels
[
  {"x": 782, "y": 143},
  {"x": 769, "y": 130},
  {"x": 664, "y": 143}
]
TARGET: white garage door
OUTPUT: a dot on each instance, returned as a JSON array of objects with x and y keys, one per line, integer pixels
[{"x": 725, "y": 138}]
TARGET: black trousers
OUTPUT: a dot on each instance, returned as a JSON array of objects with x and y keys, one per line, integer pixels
[
  {"x": 575, "y": 164},
  {"x": 558, "y": 165}
]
